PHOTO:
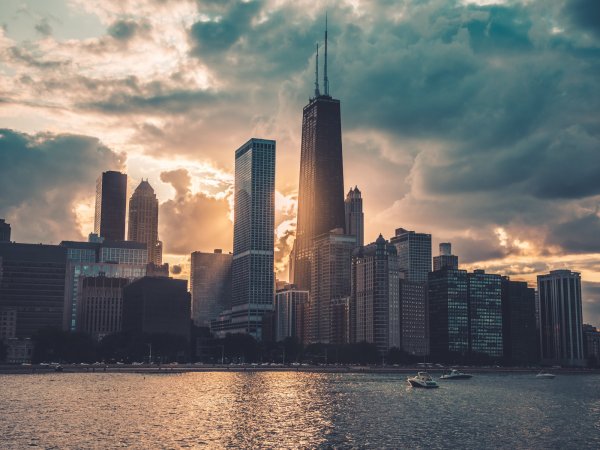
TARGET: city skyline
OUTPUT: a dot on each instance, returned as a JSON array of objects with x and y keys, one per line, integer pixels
[{"x": 416, "y": 169}]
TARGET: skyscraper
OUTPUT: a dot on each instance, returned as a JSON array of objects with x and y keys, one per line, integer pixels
[
  {"x": 414, "y": 318},
  {"x": 485, "y": 314},
  {"x": 330, "y": 281},
  {"x": 4, "y": 231},
  {"x": 355, "y": 219},
  {"x": 210, "y": 285},
  {"x": 143, "y": 220},
  {"x": 414, "y": 253},
  {"x": 290, "y": 304},
  {"x": 561, "y": 336},
  {"x": 519, "y": 331},
  {"x": 253, "y": 238},
  {"x": 445, "y": 258},
  {"x": 375, "y": 295},
  {"x": 321, "y": 189},
  {"x": 111, "y": 199}
]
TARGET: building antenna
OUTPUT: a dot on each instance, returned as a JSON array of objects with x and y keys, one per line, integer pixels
[
  {"x": 325, "y": 79},
  {"x": 317, "y": 93}
]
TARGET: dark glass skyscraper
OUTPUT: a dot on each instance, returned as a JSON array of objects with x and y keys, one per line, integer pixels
[
  {"x": 4, "y": 231},
  {"x": 253, "y": 239},
  {"x": 519, "y": 331},
  {"x": 111, "y": 203},
  {"x": 321, "y": 190},
  {"x": 143, "y": 220},
  {"x": 414, "y": 253}
]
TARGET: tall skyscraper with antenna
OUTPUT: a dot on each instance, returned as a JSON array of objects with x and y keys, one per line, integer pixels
[{"x": 321, "y": 190}]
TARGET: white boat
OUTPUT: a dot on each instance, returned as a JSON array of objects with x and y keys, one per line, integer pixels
[
  {"x": 422, "y": 380},
  {"x": 455, "y": 375},
  {"x": 545, "y": 375}
]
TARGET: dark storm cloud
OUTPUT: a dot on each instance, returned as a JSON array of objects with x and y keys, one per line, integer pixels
[
  {"x": 581, "y": 235},
  {"x": 584, "y": 13},
  {"x": 41, "y": 178},
  {"x": 591, "y": 302}
]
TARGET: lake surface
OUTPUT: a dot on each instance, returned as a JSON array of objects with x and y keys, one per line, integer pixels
[{"x": 296, "y": 410}]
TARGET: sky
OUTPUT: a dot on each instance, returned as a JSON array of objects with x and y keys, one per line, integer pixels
[{"x": 475, "y": 121}]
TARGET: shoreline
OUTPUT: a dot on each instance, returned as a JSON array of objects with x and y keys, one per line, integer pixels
[{"x": 188, "y": 368}]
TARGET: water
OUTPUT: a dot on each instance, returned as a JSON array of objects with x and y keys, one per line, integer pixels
[{"x": 296, "y": 410}]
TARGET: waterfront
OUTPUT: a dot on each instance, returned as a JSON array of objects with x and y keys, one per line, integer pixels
[{"x": 296, "y": 409}]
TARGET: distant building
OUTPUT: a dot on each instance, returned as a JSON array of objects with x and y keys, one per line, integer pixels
[
  {"x": 561, "y": 336},
  {"x": 4, "y": 231},
  {"x": 485, "y": 314},
  {"x": 143, "y": 221},
  {"x": 448, "y": 313},
  {"x": 414, "y": 254},
  {"x": 414, "y": 318},
  {"x": 321, "y": 181},
  {"x": 100, "y": 308},
  {"x": 111, "y": 203},
  {"x": 355, "y": 219},
  {"x": 519, "y": 330},
  {"x": 19, "y": 350},
  {"x": 339, "y": 318},
  {"x": 591, "y": 343},
  {"x": 32, "y": 281},
  {"x": 252, "y": 277},
  {"x": 289, "y": 313},
  {"x": 157, "y": 305},
  {"x": 375, "y": 295},
  {"x": 445, "y": 258},
  {"x": 8, "y": 323},
  {"x": 330, "y": 280},
  {"x": 210, "y": 285},
  {"x": 116, "y": 259}
]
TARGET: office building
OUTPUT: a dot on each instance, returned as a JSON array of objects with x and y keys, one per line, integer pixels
[
  {"x": 8, "y": 324},
  {"x": 321, "y": 187},
  {"x": 519, "y": 331},
  {"x": 143, "y": 221},
  {"x": 355, "y": 219},
  {"x": 591, "y": 344},
  {"x": 157, "y": 305},
  {"x": 111, "y": 203},
  {"x": 330, "y": 280},
  {"x": 113, "y": 259},
  {"x": 100, "y": 308},
  {"x": 210, "y": 285},
  {"x": 445, "y": 258},
  {"x": 485, "y": 314},
  {"x": 4, "y": 231},
  {"x": 290, "y": 305},
  {"x": 253, "y": 236},
  {"x": 414, "y": 254},
  {"x": 32, "y": 282},
  {"x": 448, "y": 313},
  {"x": 339, "y": 318},
  {"x": 375, "y": 295},
  {"x": 414, "y": 318},
  {"x": 561, "y": 336}
]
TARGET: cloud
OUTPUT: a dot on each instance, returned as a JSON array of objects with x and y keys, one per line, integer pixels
[
  {"x": 123, "y": 30},
  {"x": 192, "y": 222},
  {"x": 42, "y": 179},
  {"x": 584, "y": 14},
  {"x": 580, "y": 235},
  {"x": 43, "y": 27}
]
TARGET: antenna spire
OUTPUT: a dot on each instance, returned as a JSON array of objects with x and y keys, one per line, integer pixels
[
  {"x": 317, "y": 93},
  {"x": 325, "y": 79}
]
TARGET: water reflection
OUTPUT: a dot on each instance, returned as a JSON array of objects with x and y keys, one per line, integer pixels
[{"x": 295, "y": 410}]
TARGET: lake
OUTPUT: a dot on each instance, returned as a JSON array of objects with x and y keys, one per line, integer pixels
[{"x": 296, "y": 410}]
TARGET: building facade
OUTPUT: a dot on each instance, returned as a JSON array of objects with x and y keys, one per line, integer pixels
[
  {"x": 519, "y": 330},
  {"x": 210, "y": 285},
  {"x": 143, "y": 221},
  {"x": 100, "y": 310},
  {"x": 33, "y": 284},
  {"x": 414, "y": 254},
  {"x": 445, "y": 258},
  {"x": 157, "y": 305},
  {"x": 4, "y": 231},
  {"x": 321, "y": 183},
  {"x": 414, "y": 318},
  {"x": 253, "y": 236},
  {"x": 485, "y": 314},
  {"x": 561, "y": 336},
  {"x": 355, "y": 218},
  {"x": 447, "y": 292},
  {"x": 330, "y": 281},
  {"x": 290, "y": 305},
  {"x": 111, "y": 204},
  {"x": 375, "y": 295}
]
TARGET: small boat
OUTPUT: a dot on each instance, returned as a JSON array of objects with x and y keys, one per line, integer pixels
[
  {"x": 455, "y": 375},
  {"x": 422, "y": 380},
  {"x": 545, "y": 375}
]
